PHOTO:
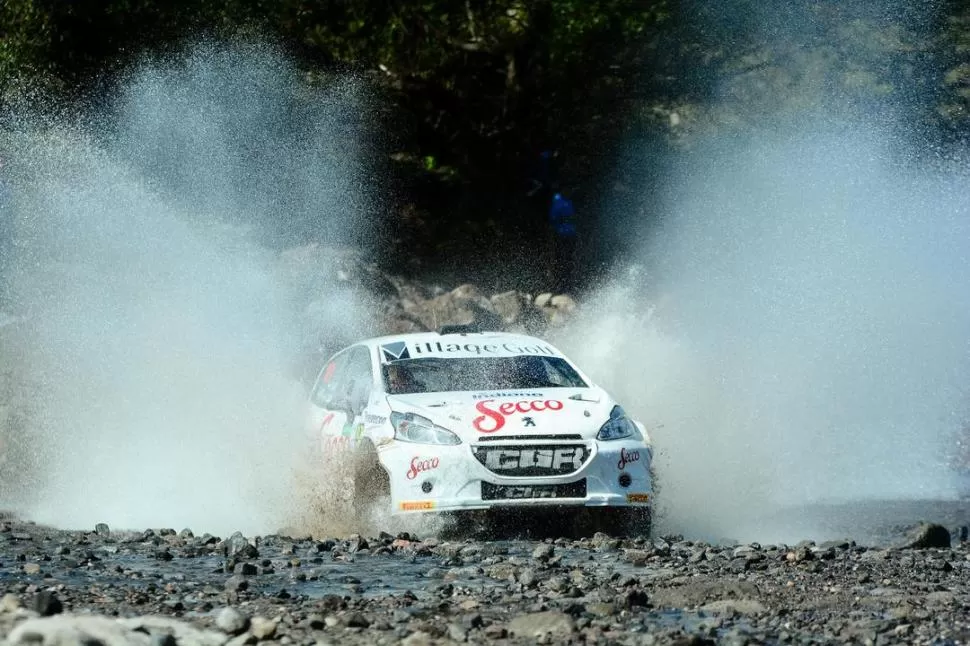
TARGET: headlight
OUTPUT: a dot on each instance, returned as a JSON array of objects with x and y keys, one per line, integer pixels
[
  {"x": 409, "y": 427},
  {"x": 618, "y": 427}
]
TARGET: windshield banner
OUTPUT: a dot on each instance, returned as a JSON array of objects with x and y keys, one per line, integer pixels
[{"x": 399, "y": 350}]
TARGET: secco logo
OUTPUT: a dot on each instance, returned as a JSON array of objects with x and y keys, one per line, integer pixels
[
  {"x": 492, "y": 418},
  {"x": 626, "y": 458},
  {"x": 418, "y": 465}
]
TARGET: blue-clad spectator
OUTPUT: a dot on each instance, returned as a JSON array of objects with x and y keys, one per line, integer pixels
[{"x": 562, "y": 218}]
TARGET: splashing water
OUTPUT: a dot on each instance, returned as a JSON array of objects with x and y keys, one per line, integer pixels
[
  {"x": 158, "y": 334},
  {"x": 797, "y": 331}
]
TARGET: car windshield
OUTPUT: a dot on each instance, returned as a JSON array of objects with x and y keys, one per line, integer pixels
[{"x": 432, "y": 375}]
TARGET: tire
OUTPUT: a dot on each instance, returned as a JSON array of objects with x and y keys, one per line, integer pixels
[{"x": 372, "y": 486}]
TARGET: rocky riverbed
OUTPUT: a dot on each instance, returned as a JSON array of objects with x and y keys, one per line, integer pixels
[{"x": 166, "y": 587}]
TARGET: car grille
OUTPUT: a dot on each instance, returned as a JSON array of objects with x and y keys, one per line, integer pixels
[
  {"x": 524, "y": 492},
  {"x": 530, "y": 460}
]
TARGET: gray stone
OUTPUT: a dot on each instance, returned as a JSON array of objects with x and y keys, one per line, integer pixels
[
  {"x": 245, "y": 569},
  {"x": 564, "y": 303},
  {"x": 77, "y": 630},
  {"x": 46, "y": 603},
  {"x": 543, "y": 551},
  {"x": 242, "y": 640},
  {"x": 457, "y": 633},
  {"x": 184, "y": 633},
  {"x": 735, "y": 606},
  {"x": 508, "y": 305},
  {"x": 357, "y": 620},
  {"x": 9, "y": 603},
  {"x": 238, "y": 547},
  {"x": 236, "y": 583},
  {"x": 552, "y": 623},
  {"x": 419, "y": 638},
  {"x": 231, "y": 621},
  {"x": 928, "y": 535},
  {"x": 263, "y": 628}
]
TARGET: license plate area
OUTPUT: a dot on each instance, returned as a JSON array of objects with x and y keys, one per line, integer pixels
[
  {"x": 534, "y": 492},
  {"x": 532, "y": 460}
]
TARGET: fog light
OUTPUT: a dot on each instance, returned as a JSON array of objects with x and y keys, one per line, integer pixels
[
  {"x": 426, "y": 486},
  {"x": 625, "y": 480}
]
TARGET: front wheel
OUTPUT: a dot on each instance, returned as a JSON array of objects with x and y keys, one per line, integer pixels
[{"x": 372, "y": 486}]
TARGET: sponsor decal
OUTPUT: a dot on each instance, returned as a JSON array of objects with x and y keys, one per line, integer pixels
[
  {"x": 638, "y": 497},
  {"x": 626, "y": 457},
  {"x": 395, "y": 351},
  {"x": 528, "y": 421},
  {"x": 417, "y": 505},
  {"x": 334, "y": 443},
  {"x": 532, "y": 460},
  {"x": 398, "y": 350},
  {"x": 374, "y": 419},
  {"x": 519, "y": 492},
  {"x": 343, "y": 440},
  {"x": 438, "y": 347},
  {"x": 328, "y": 373},
  {"x": 505, "y": 395},
  {"x": 492, "y": 417},
  {"x": 420, "y": 466}
]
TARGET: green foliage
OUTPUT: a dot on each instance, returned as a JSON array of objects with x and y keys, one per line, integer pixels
[{"x": 473, "y": 89}]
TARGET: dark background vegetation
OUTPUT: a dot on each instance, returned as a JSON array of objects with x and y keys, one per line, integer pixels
[{"x": 470, "y": 91}]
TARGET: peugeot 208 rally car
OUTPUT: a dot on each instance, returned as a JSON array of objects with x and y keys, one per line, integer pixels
[{"x": 446, "y": 422}]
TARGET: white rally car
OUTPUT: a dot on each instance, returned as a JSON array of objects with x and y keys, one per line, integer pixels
[{"x": 458, "y": 420}]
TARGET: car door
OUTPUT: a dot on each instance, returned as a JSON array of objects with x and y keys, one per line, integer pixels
[
  {"x": 324, "y": 414},
  {"x": 339, "y": 398}
]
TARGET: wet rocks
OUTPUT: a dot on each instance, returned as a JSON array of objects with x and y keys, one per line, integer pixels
[
  {"x": 928, "y": 535},
  {"x": 238, "y": 548},
  {"x": 402, "y": 305},
  {"x": 230, "y": 620},
  {"x": 262, "y": 628},
  {"x": 542, "y": 624},
  {"x": 543, "y": 552},
  {"x": 363, "y": 590},
  {"x": 46, "y": 603}
]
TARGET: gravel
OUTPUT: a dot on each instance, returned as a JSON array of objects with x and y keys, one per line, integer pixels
[{"x": 111, "y": 587}]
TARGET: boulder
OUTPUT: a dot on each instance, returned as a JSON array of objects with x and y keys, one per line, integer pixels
[
  {"x": 927, "y": 535},
  {"x": 510, "y": 305}
]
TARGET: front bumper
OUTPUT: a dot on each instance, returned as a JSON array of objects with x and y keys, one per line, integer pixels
[{"x": 518, "y": 473}]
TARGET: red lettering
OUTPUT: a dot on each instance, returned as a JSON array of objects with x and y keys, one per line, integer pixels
[
  {"x": 508, "y": 408},
  {"x": 498, "y": 421},
  {"x": 418, "y": 466},
  {"x": 627, "y": 458}
]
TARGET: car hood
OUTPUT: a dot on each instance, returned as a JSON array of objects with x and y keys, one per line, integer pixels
[{"x": 543, "y": 412}]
